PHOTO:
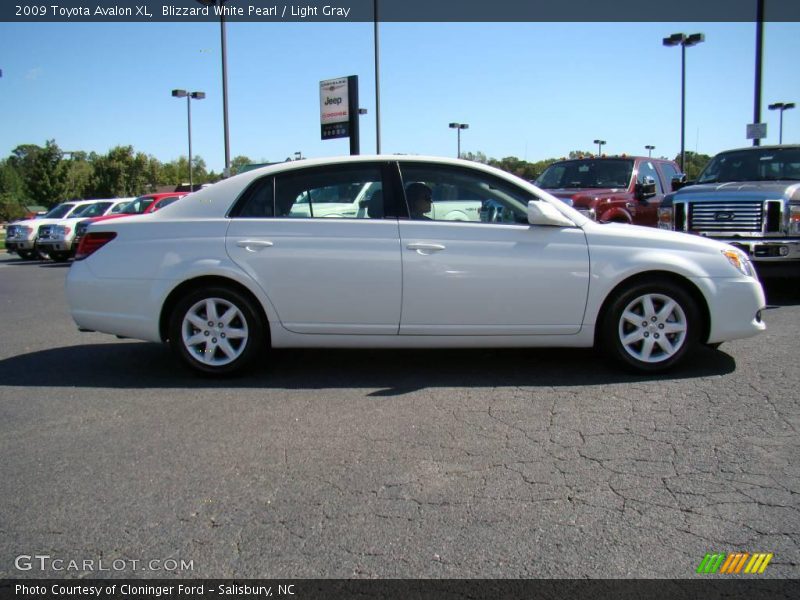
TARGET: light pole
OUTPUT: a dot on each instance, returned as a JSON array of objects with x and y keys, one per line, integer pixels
[
  {"x": 683, "y": 40},
  {"x": 376, "y": 40},
  {"x": 459, "y": 127},
  {"x": 224, "y": 46},
  {"x": 649, "y": 149},
  {"x": 781, "y": 106},
  {"x": 189, "y": 96},
  {"x": 600, "y": 144}
]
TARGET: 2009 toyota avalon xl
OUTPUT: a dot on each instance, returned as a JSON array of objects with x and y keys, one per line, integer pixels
[{"x": 403, "y": 252}]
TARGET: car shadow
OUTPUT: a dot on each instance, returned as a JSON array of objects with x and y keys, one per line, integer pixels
[
  {"x": 141, "y": 365},
  {"x": 781, "y": 292}
]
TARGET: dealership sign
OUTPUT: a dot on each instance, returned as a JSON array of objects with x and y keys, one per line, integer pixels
[{"x": 334, "y": 108}]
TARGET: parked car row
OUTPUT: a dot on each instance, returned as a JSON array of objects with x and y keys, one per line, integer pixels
[{"x": 58, "y": 233}]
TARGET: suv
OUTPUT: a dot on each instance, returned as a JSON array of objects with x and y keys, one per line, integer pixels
[
  {"x": 620, "y": 189},
  {"x": 749, "y": 198},
  {"x": 55, "y": 239},
  {"x": 21, "y": 236}
]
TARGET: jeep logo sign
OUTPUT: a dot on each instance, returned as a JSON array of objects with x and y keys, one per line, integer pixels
[{"x": 334, "y": 108}]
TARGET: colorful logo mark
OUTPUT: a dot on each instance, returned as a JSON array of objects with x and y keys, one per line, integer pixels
[{"x": 734, "y": 563}]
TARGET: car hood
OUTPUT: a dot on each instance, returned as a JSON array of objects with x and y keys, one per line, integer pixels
[
  {"x": 743, "y": 189},
  {"x": 634, "y": 238},
  {"x": 36, "y": 223},
  {"x": 585, "y": 193}
]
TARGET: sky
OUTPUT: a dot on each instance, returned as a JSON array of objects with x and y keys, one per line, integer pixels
[{"x": 530, "y": 90}]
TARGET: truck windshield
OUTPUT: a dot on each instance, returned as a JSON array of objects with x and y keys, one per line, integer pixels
[
  {"x": 753, "y": 164},
  {"x": 587, "y": 173},
  {"x": 59, "y": 211}
]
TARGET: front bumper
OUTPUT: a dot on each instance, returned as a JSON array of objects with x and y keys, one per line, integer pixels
[
  {"x": 735, "y": 307},
  {"x": 16, "y": 244},
  {"x": 54, "y": 245},
  {"x": 766, "y": 250}
]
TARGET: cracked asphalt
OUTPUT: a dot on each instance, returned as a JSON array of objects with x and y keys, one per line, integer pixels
[{"x": 412, "y": 464}]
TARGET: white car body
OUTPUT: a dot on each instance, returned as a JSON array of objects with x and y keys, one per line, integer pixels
[{"x": 399, "y": 283}]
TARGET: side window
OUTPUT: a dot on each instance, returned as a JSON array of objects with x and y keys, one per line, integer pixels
[
  {"x": 648, "y": 170},
  {"x": 257, "y": 202},
  {"x": 344, "y": 191},
  {"x": 440, "y": 193}
]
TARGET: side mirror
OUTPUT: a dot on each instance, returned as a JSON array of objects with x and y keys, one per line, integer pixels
[
  {"x": 646, "y": 189},
  {"x": 678, "y": 182},
  {"x": 542, "y": 213}
]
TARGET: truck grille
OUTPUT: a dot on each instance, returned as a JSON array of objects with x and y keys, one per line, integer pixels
[
  {"x": 46, "y": 232},
  {"x": 726, "y": 216}
]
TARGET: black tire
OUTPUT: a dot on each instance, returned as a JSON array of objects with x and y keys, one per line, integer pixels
[
  {"x": 669, "y": 328},
  {"x": 59, "y": 256},
  {"x": 27, "y": 254},
  {"x": 223, "y": 345}
]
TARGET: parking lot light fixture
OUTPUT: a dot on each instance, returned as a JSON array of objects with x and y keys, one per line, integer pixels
[
  {"x": 649, "y": 149},
  {"x": 781, "y": 106},
  {"x": 600, "y": 144},
  {"x": 189, "y": 97},
  {"x": 683, "y": 40},
  {"x": 458, "y": 127}
]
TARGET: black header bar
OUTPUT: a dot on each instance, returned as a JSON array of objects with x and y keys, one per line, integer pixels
[{"x": 344, "y": 11}]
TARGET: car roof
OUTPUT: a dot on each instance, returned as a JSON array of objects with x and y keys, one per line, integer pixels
[{"x": 216, "y": 199}]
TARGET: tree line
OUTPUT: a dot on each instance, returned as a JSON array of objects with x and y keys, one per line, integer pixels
[
  {"x": 35, "y": 175},
  {"x": 46, "y": 175}
]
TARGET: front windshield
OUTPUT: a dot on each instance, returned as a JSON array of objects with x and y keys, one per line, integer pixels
[
  {"x": 756, "y": 164},
  {"x": 587, "y": 173},
  {"x": 91, "y": 210},
  {"x": 138, "y": 206},
  {"x": 59, "y": 211}
]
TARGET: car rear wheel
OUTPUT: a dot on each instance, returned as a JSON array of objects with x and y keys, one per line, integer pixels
[
  {"x": 651, "y": 326},
  {"x": 216, "y": 330}
]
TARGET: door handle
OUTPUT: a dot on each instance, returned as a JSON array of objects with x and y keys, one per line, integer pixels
[
  {"x": 426, "y": 249},
  {"x": 254, "y": 245}
]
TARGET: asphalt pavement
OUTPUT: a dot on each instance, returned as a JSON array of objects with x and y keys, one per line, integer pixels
[{"x": 392, "y": 464}]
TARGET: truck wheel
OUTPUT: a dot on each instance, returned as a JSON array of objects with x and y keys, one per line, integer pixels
[
  {"x": 27, "y": 254},
  {"x": 217, "y": 331},
  {"x": 650, "y": 326}
]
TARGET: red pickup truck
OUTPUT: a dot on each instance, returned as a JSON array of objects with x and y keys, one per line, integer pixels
[{"x": 620, "y": 189}]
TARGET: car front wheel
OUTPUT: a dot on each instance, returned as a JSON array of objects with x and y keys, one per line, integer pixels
[
  {"x": 651, "y": 326},
  {"x": 216, "y": 331}
]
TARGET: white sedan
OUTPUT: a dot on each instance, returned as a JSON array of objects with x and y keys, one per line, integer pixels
[{"x": 233, "y": 270}]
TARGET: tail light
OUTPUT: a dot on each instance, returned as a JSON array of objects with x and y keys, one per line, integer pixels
[{"x": 92, "y": 242}]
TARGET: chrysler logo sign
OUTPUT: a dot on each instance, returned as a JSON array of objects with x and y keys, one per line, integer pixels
[{"x": 723, "y": 215}]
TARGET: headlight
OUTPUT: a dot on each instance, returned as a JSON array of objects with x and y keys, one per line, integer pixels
[
  {"x": 794, "y": 219},
  {"x": 739, "y": 260}
]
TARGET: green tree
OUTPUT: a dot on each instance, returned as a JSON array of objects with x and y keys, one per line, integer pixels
[
  {"x": 12, "y": 193},
  {"x": 694, "y": 164},
  {"x": 122, "y": 173},
  {"x": 39, "y": 168},
  {"x": 238, "y": 162}
]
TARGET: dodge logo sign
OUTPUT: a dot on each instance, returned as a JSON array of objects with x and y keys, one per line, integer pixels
[{"x": 723, "y": 215}]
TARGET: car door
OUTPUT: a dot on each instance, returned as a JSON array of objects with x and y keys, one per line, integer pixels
[
  {"x": 327, "y": 274},
  {"x": 496, "y": 276}
]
